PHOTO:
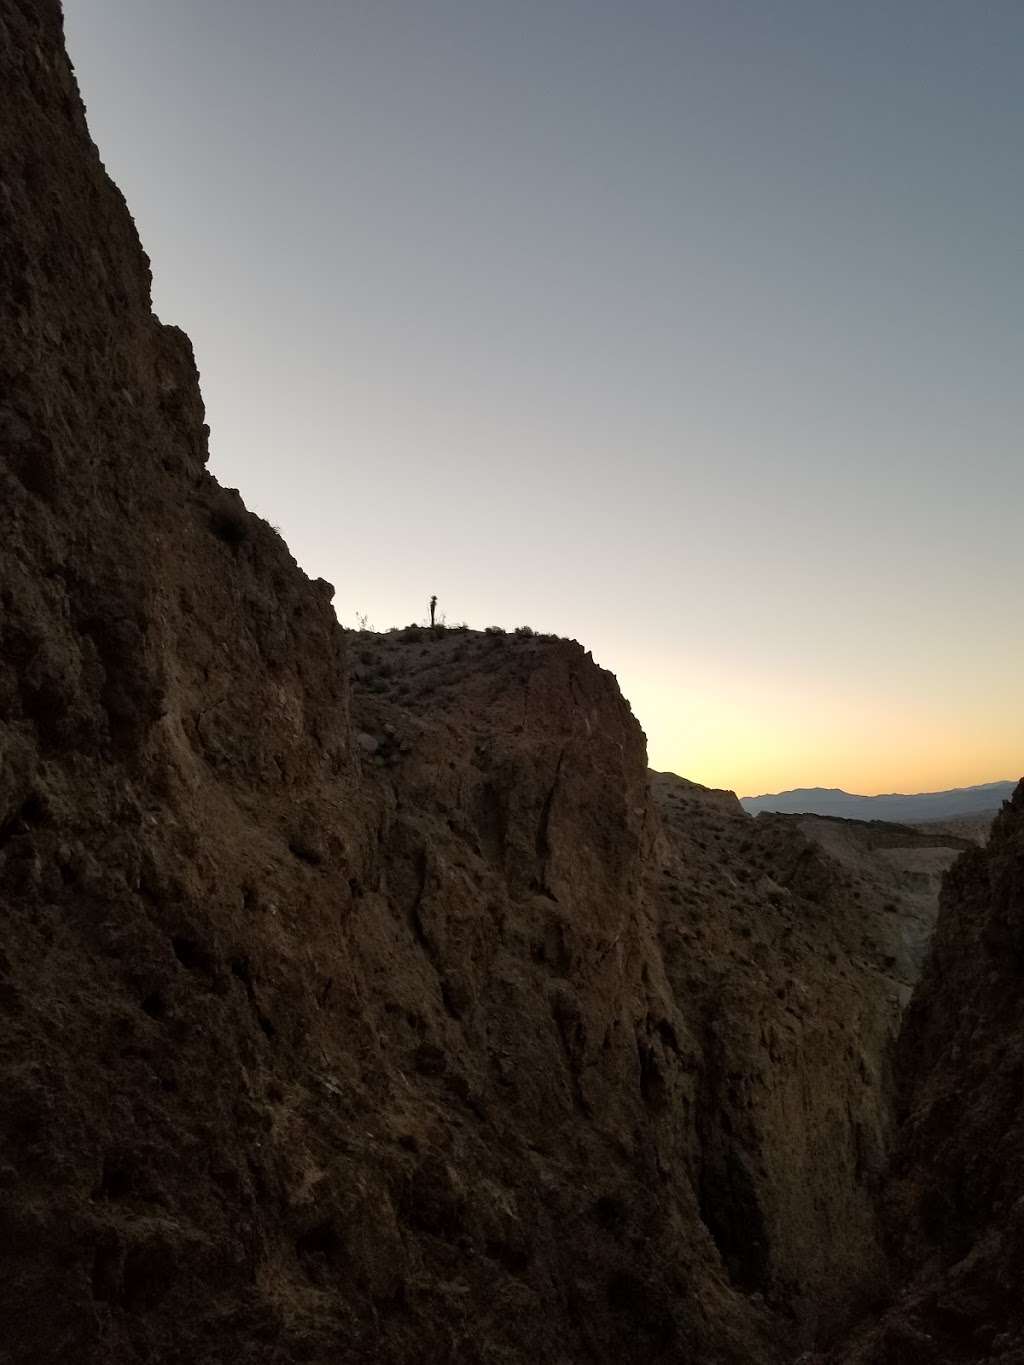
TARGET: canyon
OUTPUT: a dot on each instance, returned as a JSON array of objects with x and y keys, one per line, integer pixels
[{"x": 365, "y": 997}]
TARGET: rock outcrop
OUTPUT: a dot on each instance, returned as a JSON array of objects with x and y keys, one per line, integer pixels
[{"x": 363, "y": 998}]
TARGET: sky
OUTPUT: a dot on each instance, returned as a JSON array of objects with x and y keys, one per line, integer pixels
[{"x": 690, "y": 330}]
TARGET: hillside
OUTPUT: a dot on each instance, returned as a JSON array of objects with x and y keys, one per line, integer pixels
[
  {"x": 896, "y": 874},
  {"x": 960, "y": 802}
]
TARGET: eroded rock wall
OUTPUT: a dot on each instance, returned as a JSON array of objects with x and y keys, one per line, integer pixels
[
  {"x": 784, "y": 981},
  {"x": 953, "y": 1198}
]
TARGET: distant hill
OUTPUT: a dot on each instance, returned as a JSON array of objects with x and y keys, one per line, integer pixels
[{"x": 947, "y": 805}]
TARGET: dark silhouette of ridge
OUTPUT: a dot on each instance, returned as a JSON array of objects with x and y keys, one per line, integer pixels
[{"x": 906, "y": 808}]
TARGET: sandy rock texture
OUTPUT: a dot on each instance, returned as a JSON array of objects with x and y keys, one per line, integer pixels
[{"x": 364, "y": 998}]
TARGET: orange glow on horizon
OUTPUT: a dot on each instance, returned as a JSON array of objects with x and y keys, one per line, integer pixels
[{"x": 754, "y": 739}]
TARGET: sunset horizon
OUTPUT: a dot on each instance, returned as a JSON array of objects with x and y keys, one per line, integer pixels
[{"x": 715, "y": 378}]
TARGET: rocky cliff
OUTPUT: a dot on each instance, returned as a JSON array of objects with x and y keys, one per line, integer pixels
[
  {"x": 954, "y": 1210},
  {"x": 363, "y": 998},
  {"x": 786, "y": 944}
]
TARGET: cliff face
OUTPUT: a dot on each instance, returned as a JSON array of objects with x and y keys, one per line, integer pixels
[
  {"x": 172, "y": 717},
  {"x": 780, "y": 963},
  {"x": 954, "y": 1195},
  {"x": 300, "y": 1061},
  {"x": 364, "y": 999}
]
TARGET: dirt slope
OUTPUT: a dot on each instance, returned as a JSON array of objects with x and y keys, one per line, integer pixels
[{"x": 894, "y": 873}]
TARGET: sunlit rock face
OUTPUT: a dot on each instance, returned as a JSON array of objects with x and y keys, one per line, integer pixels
[{"x": 364, "y": 998}]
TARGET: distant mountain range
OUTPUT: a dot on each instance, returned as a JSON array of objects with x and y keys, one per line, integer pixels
[{"x": 895, "y": 806}]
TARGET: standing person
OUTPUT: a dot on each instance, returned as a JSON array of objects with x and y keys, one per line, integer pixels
[{"x": 433, "y": 604}]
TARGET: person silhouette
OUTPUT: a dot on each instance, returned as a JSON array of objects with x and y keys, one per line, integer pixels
[{"x": 433, "y": 604}]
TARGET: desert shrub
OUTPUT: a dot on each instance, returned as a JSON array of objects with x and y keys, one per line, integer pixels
[
  {"x": 229, "y": 521},
  {"x": 495, "y": 630},
  {"x": 527, "y": 631}
]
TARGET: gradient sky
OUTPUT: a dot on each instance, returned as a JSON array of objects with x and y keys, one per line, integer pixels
[{"x": 692, "y": 330}]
